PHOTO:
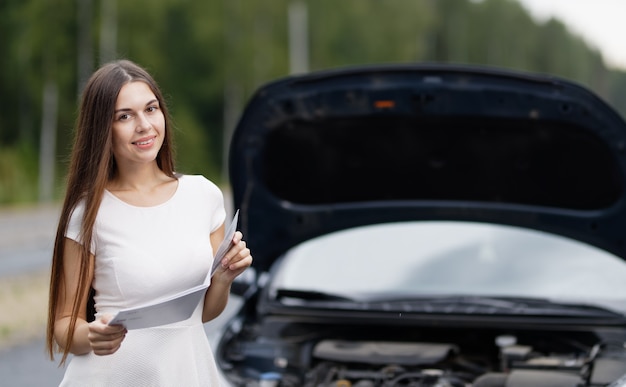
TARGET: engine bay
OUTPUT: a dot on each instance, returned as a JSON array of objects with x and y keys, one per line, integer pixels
[{"x": 305, "y": 355}]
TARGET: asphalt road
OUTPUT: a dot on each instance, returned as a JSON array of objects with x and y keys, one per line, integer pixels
[
  {"x": 27, "y": 366},
  {"x": 26, "y": 242},
  {"x": 26, "y": 239}
]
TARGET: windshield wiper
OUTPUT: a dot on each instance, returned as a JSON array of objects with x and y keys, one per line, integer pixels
[
  {"x": 492, "y": 305},
  {"x": 485, "y": 305},
  {"x": 309, "y": 295}
]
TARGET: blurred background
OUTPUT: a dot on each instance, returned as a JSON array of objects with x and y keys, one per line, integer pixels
[{"x": 209, "y": 57}]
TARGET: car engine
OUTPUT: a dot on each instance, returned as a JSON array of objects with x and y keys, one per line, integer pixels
[
  {"x": 470, "y": 358},
  {"x": 369, "y": 364}
]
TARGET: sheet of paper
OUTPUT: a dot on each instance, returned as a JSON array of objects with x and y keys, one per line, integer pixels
[
  {"x": 165, "y": 312},
  {"x": 177, "y": 307},
  {"x": 225, "y": 245}
]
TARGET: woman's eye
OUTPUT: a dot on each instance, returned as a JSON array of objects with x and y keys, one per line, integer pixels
[
  {"x": 152, "y": 109},
  {"x": 123, "y": 117}
]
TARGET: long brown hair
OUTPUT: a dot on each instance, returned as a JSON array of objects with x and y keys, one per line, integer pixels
[{"x": 92, "y": 165}]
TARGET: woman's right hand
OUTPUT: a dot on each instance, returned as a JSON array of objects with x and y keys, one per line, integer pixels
[{"x": 105, "y": 339}]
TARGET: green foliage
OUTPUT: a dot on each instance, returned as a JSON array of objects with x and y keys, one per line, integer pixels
[
  {"x": 210, "y": 56},
  {"x": 193, "y": 147},
  {"x": 18, "y": 174},
  {"x": 352, "y": 32}
]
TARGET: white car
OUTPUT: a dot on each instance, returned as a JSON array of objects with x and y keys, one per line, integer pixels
[{"x": 429, "y": 225}]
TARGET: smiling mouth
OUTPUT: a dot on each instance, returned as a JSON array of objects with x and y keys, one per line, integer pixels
[{"x": 144, "y": 142}]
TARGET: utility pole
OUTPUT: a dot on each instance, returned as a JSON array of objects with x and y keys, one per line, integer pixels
[
  {"x": 233, "y": 89},
  {"x": 47, "y": 145},
  {"x": 48, "y": 133},
  {"x": 85, "y": 47},
  {"x": 108, "y": 31},
  {"x": 298, "y": 37}
]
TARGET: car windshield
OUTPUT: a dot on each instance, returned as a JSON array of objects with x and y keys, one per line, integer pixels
[{"x": 418, "y": 259}]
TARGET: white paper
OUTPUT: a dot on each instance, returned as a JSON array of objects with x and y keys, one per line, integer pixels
[
  {"x": 180, "y": 306},
  {"x": 225, "y": 245}
]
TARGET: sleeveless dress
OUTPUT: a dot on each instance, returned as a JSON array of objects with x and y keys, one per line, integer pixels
[{"x": 143, "y": 254}]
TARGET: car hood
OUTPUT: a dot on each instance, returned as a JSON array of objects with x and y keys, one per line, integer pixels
[{"x": 336, "y": 149}]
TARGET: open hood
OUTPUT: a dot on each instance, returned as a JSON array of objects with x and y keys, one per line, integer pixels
[{"x": 336, "y": 149}]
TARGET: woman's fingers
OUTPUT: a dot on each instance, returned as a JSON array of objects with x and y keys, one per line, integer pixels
[
  {"x": 237, "y": 252},
  {"x": 241, "y": 260},
  {"x": 105, "y": 339},
  {"x": 236, "y": 259}
]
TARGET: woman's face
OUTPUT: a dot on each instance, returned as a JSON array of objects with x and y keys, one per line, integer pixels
[{"x": 138, "y": 126}]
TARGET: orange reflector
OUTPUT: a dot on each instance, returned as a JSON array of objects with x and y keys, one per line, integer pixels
[{"x": 385, "y": 104}]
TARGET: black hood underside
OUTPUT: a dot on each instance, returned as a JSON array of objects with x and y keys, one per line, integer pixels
[{"x": 343, "y": 148}]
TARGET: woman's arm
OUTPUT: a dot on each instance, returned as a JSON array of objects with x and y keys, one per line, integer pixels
[
  {"x": 236, "y": 260},
  {"x": 96, "y": 336}
]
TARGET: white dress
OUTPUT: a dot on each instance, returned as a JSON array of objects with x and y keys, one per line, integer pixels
[{"x": 143, "y": 254}]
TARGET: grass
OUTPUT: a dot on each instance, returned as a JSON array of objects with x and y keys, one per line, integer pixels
[
  {"x": 18, "y": 175},
  {"x": 24, "y": 303}
]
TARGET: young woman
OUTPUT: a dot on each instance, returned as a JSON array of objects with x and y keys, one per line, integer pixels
[{"x": 131, "y": 231}]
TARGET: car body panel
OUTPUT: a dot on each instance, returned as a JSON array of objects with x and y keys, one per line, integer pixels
[{"x": 326, "y": 151}]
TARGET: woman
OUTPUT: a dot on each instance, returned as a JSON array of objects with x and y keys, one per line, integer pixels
[{"x": 132, "y": 230}]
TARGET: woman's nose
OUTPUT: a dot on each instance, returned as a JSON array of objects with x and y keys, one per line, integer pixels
[{"x": 142, "y": 123}]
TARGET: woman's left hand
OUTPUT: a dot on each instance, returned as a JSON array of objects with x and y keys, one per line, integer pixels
[{"x": 235, "y": 261}]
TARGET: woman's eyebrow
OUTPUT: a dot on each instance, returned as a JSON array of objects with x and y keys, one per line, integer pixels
[{"x": 152, "y": 101}]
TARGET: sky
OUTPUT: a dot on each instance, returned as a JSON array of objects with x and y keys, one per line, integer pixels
[{"x": 601, "y": 23}]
